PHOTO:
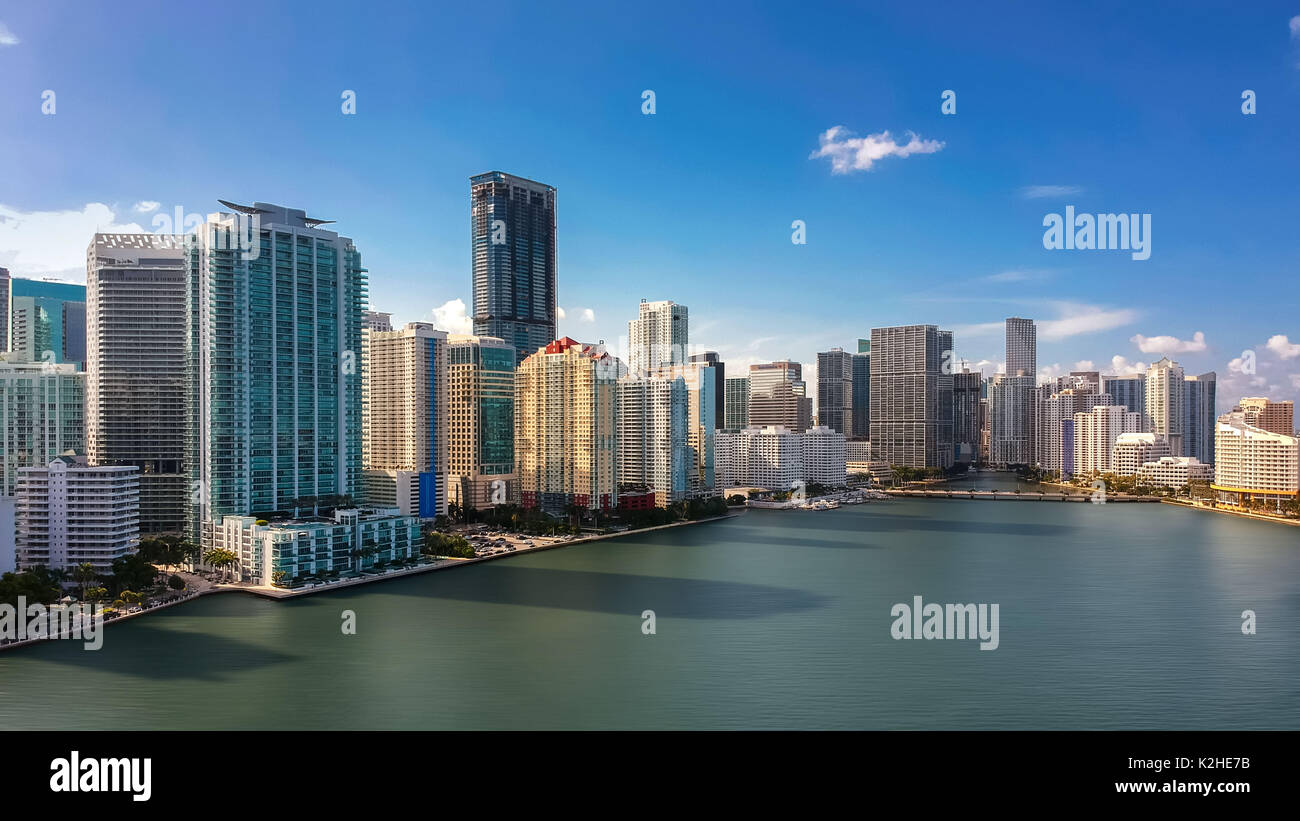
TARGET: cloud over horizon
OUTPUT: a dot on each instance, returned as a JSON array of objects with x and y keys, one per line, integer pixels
[{"x": 848, "y": 153}]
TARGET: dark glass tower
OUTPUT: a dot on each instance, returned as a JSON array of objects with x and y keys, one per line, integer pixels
[{"x": 512, "y": 231}]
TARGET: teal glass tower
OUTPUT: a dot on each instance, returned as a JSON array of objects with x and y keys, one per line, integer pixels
[{"x": 274, "y": 362}]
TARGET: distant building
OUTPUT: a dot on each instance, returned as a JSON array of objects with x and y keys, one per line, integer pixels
[
  {"x": 1252, "y": 464},
  {"x": 69, "y": 513},
  {"x": 652, "y": 452},
  {"x": 862, "y": 391},
  {"x": 1132, "y": 450},
  {"x": 912, "y": 396},
  {"x": 835, "y": 390},
  {"x": 701, "y": 424},
  {"x": 774, "y": 458},
  {"x": 1095, "y": 434},
  {"x": 1175, "y": 471},
  {"x": 658, "y": 337},
  {"x": 1129, "y": 391},
  {"x": 736, "y": 404},
  {"x": 778, "y": 396},
  {"x": 967, "y": 388},
  {"x": 5, "y": 297},
  {"x": 1276, "y": 417},
  {"x": 565, "y": 428},
  {"x": 1166, "y": 411},
  {"x": 47, "y": 316},
  {"x": 42, "y": 409},
  {"x": 711, "y": 359},
  {"x": 1055, "y": 414},
  {"x": 1012, "y": 429},
  {"x": 480, "y": 421},
  {"x": 1201, "y": 416}
]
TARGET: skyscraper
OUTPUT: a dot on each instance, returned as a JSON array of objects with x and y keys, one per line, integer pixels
[
  {"x": 273, "y": 363},
  {"x": 658, "y": 337},
  {"x": 1095, "y": 434},
  {"x": 701, "y": 423},
  {"x": 480, "y": 421},
  {"x": 911, "y": 396},
  {"x": 779, "y": 396},
  {"x": 835, "y": 390},
  {"x": 41, "y": 416},
  {"x": 406, "y": 442},
  {"x": 1055, "y": 447},
  {"x": 1265, "y": 414},
  {"x": 48, "y": 316},
  {"x": 1021, "y": 347},
  {"x": 135, "y": 364},
  {"x": 5, "y": 296},
  {"x": 512, "y": 230},
  {"x": 565, "y": 437},
  {"x": 1129, "y": 390},
  {"x": 967, "y": 388},
  {"x": 1013, "y": 397},
  {"x": 736, "y": 405},
  {"x": 1201, "y": 416},
  {"x": 712, "y": 359},
  {"x": 862, "y": 391},
  {"x": 652, "y": 450},
  {"x": 1166, "y": 403}
]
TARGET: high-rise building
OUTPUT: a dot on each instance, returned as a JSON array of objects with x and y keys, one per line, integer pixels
[
  {"x": 778, "y": 396},
  {"x": 5, "y": 296},
  {"x": 480, "y": 421},
  {"x": 652, "y": 451},
  {"x": 68, "y": 513},
  {"x": 47, "y": 316},
  {"x": 1252, "y": 465},
  {"x": 1021, "y": 347},
  {"x": 701, "y": 423},
  {"x": 1129, "y": 390},
  {"x": 42, "y": 409},
  {"x": 657, "y": 338},
  {"x": 862, "y": 391},
  {"x": 273, "y": 364},
  {"x": 1095, "y": 433},
  {"x": 377, "y": 321},
  {"x": 1277, "y": 417},
  {"x": 911, "y": 396},
  {"x": 736, "y": 404},
  {"x": 1082, "y": 382},
  {"x": 512, "y": 228},
  {"x": 406, "y": 443},
  {"x": 774, "y": 458},
  {"x": 1055, "y": 447},
  {"x": 967, "y": 389},
  {"x": 135, "y": 368},
  {"x": 835, "y": 390},
  {"x": 1132, "y": 450},
  {"x": 1012, "y": 429},
  {"x": 1201, "y": 417},
  {"x": 1166, "y": 403},
  {"x": 565, "y": 436},
  {"x": 712, "y": 359}
]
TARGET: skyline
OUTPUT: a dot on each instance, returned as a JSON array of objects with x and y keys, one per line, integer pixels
[{"x": 946, "y": 231}]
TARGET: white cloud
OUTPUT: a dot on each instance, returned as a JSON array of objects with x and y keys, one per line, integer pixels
[
  {"x": 1076, "y": 319},
  {"x": 850, "y": 153},
  {"x": 560, "y": 312},
  {"x": 988, "y": 367},
  {"x": 7, "y": 37},
  {"x": 1048, "y": 373},
  {"x": 1120, "y": 366},
  {"x": 1295, "y": 28},
  {"x": 1278, "y": 343},
  {"x": 451, "y": 316},
  {"x": 53, "y": 243},
  {"x": 1084, "y": 365},
  {"x": 145, "y": 206},
  {"x": 588, "y": 315},
  {"x": 1016, "y": 275},
  {"x": 1039, "y": 192},
  {"x": 1169, "y": 344}
]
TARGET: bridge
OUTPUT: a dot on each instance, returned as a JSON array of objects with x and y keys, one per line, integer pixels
[{"x": 1012, "y": 496}]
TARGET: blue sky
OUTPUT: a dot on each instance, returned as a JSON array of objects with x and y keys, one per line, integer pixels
[{"x": 1109, "y": 107}]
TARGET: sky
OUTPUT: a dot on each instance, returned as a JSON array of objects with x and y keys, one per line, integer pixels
[{"x": 764, "y": 114}]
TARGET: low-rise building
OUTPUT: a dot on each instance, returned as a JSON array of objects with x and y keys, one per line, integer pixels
[
  {"x": 1175, "y": 471},
  {"x": 1132, "y": 450},
  {"x": 775, "y": 458}
]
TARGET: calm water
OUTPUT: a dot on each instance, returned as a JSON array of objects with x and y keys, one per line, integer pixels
[{"x": 1115, "y": 616}]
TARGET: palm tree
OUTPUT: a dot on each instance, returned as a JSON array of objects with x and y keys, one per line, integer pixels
[
  {"x": 221, "y": 559},
  {"x": 83, "y": 573}
]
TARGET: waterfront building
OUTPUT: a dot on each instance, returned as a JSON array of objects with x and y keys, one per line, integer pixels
[
  {"x": 861, "y": 426},
  {"x": 652, "y": 423},
  {"x": 658, "y": 337},
  {"x": 1166, "y": 398},
  {"x": 288, "y": 553},
  {"x": 565, "y": 418},
  {"x": 408, "y": 419},
  {"x": 823, "y": 456},
  {"x": 135, "y": 367},
  {"x": 912, "y": 396},
  {"x": 1175, "y": 471},
  {"x": 701, "y": 423},
  {"x": 1132, "y": 450},
  {"x": 712, "y": 359},
  {"x": 1253, "y": 465},
  {"x": 1011, "y": 430},
  {"x": 1201, "y": 416},
  {"x": 775, "y": 458},
  {"x": 1055, "y": 414},
  {"x": 42, "y": 409},
  {"x": 1277, "y": 417},
  {"x": 967, "y": 388},
  {"x": 1095, "y": 434},
  {"x": 47, "y": 316},
  {"x": 512, "y": 231},
  {"x": 835, "y": 390},
  {"x": 736, "y": 404},
  {"x": 1129, "y": 390},
  {"x": 480, "y": 421},
  {"x": 273, "y": 377},
  {"x": 69, "y": 513}
]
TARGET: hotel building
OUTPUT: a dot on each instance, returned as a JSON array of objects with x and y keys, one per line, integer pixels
[
  {"x": 1253, "y": 465},
  {"x": 1132, "y": 450}
]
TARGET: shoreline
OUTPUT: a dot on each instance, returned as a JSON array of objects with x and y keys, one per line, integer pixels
[
  {"x": 1241, "y": 514},
  {"x": 279, "y": 594}
]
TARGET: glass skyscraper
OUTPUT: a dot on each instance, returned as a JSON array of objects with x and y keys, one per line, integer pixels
[
  {"x": 512, "y": 231},
  {"x": 273, "y": 363},
  {"x": 47, "y": 316}
]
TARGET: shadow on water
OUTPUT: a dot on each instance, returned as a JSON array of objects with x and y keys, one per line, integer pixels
[
  {"x": 502, "y": 582},
  {"x": 141, "y": 651},
  {"x": 874, "y": 522}
]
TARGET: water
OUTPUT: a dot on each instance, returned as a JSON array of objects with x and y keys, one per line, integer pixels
[{"x": 1111, "y": 616}]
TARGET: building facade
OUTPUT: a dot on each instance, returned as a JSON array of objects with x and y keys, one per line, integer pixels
[
  {"x": 835, "y": 390},
  {"x": 652, "y": 424},
  {"x": 1132, "y": 450},
  {"x": 480, "y": 421},
  {"x": 42, "y": 416},
  {"x": 736, "y": 403},
  {"x": 1254, "y": 466},
  {"x": 1201, "y": 416},
  {"x": 712, "y": 359},
  {"x": 658, "y": 337},
  {"x": 47, "y": 321},
  {"x": 1175, "y": 471},
  {"x": 1095, "y": 433},
  {"x": 777, "y": 459},
  {"x": 1166, "y": 403},
  {"x": 862, "y": 390},
  {"x": 967, "y": 389},
  {"x": 912, "y": 396},
  {"x": 1129, "y": 390},
  {"x": 1276, "y": 417},
  {"x": 68, "y": 513},
  {"x": 778, "y": 396}
]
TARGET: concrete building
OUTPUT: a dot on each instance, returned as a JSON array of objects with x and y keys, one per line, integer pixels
[
  {"x": 1253, "y": 465},
  {"x": 5, "y": 297},
  {"x": 512, "y": 230},
  {"x": 1277, "y": 417},
  {"x": 565, "y": 427},
  {"x": 778, "y": 396},
  {"x": 1012, "y": 428},
  {"x": 287, "y": 553},
  {"x": 1095, "y": 434},
  {"x": 912, "y": 396},
  {"x": 778, "y": 459},
  {"x": 658, "y": 337},
  {"x": 736, "y": 404},
  {"x": 69, "y": 513},
  {"x": 274, "y": 369},
  {"x": 1175, "y": 471},
  {"x": 408, "y": 418},
  {"x": 701, "y": 424},
  {"x": 711, "y": 359},
  {"x": 1055, "y": 415},
  {"x": 135, "y": 367},
  {"x": 1132, "y": 450},
  {"x": 1021, "y": 346},
  {"x": 652, "y": 425},
  {"x": 42, "y": 408},
  {"x": 480, "y": 421},
  {"x": 835, "y": 390},
  {"x": 8, "y": 530},
  {"x": 1129, "y": 390},
  {"x": 1201, "y": 416},
  {"x": 1166, "y": 397}
]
